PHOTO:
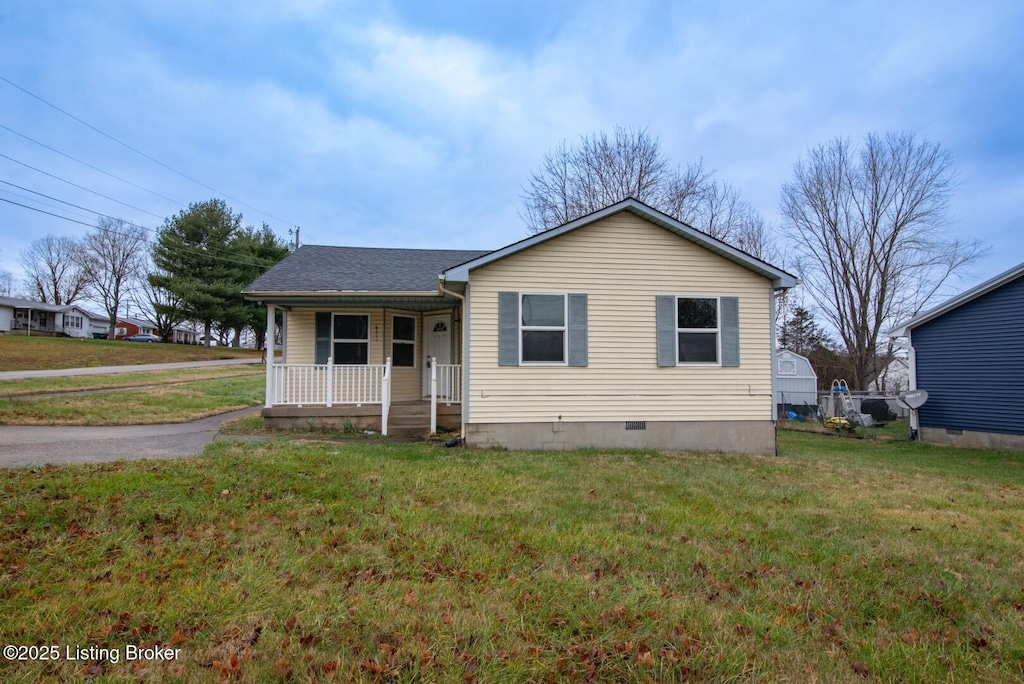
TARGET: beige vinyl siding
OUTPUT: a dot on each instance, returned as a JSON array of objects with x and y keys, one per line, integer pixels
[
  {"x": 302, "y": 344},
  {"x": 621, "y": 263}
]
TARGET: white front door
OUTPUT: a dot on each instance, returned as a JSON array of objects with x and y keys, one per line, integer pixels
[{"x": 437, "y": 342}]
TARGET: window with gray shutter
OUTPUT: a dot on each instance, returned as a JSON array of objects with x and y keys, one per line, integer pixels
[
  {"x": 730, "y": 332},
  {"x": 323, "y": 336},
  {"x": 577, "y": 330},
  {"x": 508, "y": 328},
  {"x": 666, "y": 324}
]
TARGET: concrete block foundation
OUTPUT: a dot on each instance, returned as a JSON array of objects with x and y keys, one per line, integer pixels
[
  {"x": 745, "y": 437},
  {"x": 976, "y": 440}
]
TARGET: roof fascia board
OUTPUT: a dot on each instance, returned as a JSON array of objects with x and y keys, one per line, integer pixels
[
  {"x": 326, "y": 294},
  {"x": 780, "y": 279},
  {"x": 957, "y": 301}
]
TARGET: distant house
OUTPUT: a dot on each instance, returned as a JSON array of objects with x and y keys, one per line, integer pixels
[
  {"x": 624, "y": 328},
  {"x": 127, "y": 326},
  {"x": 28, "y": 317},
  {"x": 796, "y": 383},
  {"x": 968, "y": 354}
]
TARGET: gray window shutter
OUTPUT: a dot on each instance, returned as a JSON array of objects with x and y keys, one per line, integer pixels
[
  {"x": 577, "y": 330},
  {"x": 508, "y": 328},
  {"x": 666, "y": 305},
  {"x": 730, "y": 332},
  {"x": 323, "y": 337}
]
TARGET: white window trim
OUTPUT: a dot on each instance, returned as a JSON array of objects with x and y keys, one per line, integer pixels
[
  {"x": 717, "y": 330},
  {"x": 783, "y": 361},
  {"x": 564, "y": 329},
  {"x": 366, "y": 340},
  {"x": 396, "y": 341}
]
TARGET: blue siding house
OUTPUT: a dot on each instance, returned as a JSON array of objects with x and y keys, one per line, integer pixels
[{"x": 968, "y": 354}]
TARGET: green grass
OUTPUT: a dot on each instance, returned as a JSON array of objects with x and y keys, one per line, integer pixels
[
  {"x": 274, "y": 561},
  {"x": 45, "y": 353},
  {"x": 83, "y": 383},
  {"x": 167, "y": 403}
]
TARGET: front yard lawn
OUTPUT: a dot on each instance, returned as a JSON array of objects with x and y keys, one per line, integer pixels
[
  {"x": 839, "y": 560},
  {"x": 170, "y": 402},
  {"x": 43, "y": 353}
]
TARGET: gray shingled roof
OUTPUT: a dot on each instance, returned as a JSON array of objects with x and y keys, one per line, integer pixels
[{"x": 316, "y": 268}]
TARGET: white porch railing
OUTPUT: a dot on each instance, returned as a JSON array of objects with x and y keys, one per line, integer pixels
[
  {"x": 307, "y": 384},
  {"x": 445, "y": 386}
]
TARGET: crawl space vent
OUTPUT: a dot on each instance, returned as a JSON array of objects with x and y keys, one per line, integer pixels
[
  {"x": 954, "y": 431},
  {"x": 636, "y": 424}
]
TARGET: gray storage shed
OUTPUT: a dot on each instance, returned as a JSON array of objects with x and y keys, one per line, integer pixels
[{"x": 796, "y": 383}]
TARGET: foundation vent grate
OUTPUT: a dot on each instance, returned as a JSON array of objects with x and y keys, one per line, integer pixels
[
  {"x": 636, "y": 424},
  {"x": 953, "y": 431}
]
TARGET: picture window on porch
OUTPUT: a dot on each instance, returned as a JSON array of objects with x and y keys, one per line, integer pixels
[
  {"x": 351, "y": 340},
  {"x": 403, "y": 342}
]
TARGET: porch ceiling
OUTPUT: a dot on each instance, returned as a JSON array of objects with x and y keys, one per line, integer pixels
[{"x": 358, "y": 301}]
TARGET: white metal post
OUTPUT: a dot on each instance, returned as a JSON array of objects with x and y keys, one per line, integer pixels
[
  {"x": 269, "y": 399},
  {"x": 330, "y": 381},
  {"x": 433, "y": 394},
  {"x": 385, "y": 399}
]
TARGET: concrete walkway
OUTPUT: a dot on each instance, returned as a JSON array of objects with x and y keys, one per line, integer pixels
[
  {"x": 28, "y": 445},
  {"x": 142, "y": 368}
]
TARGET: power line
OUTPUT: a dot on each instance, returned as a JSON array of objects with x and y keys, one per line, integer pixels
[
  {"x": 261, "y": 263},
  {"x": 141, "y": 153},
  {"x": 80, "y": 187},
  {"x": 94, "y": 168}
]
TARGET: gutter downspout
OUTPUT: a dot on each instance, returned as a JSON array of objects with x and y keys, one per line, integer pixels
[{"x": 464, "y": 358}]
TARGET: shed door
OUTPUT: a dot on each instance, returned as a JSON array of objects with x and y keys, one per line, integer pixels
[{"x": 437, "y": 341}]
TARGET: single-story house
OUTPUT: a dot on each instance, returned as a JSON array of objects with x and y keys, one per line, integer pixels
[
  {"x": 624, "y": 328},
  {"x": 968, "y": 355},
  {"x": 28, "y": 317},
  {"x": 127, "y": 326}
]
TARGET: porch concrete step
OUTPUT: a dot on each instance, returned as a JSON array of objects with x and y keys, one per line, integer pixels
[{"x": 406, "y": 431}]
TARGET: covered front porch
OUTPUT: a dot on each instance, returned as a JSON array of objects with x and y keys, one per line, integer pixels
[{"x": 387, "y": 364}]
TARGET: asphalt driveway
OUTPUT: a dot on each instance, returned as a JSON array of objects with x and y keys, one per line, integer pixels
[{"x": 29, "y": 445}]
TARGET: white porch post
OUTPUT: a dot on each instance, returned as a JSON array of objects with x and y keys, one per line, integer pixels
[
  {"x": 385, "y": 399},
  {"x": 269, "y": 395},
  {"x": 330, "y": 381},
  {"x": 433, "y": 394}
]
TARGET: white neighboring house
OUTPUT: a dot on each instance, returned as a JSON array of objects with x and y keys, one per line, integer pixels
[
  {"x": 25, "y": 317},
  {"x": 892, "y": 379}
]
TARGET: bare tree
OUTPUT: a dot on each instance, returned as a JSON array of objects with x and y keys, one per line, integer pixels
[
  {"x": 112, "y": 256},
  {"x": 54, "y": 271},
  {"x": 576, "y": 180},
  {"x": 870, "y": 230},
  {"x": 165, "y": 305},
  {"x": 6, "y": 283}
]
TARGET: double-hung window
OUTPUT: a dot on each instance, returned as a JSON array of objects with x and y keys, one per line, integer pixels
[
  {"x": 351, "y": 339},
  {"x": 403, "y": 341},
  {"x": 698, "y": 330},
  {"x": 543, "y": 330}
]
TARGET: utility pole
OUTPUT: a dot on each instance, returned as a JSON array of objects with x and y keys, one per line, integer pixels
[{"x": 297, "y": 229}]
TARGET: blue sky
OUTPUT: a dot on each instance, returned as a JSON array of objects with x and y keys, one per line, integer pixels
[{"x": 415, "y": 124}]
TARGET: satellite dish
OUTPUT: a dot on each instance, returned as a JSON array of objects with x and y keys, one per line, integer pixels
[{"x": 913, "y": 400}]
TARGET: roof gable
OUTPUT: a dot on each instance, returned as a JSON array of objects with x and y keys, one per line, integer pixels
[
  {"x": 955, "y": 302},
  {"x": 780, "y": 279}
]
